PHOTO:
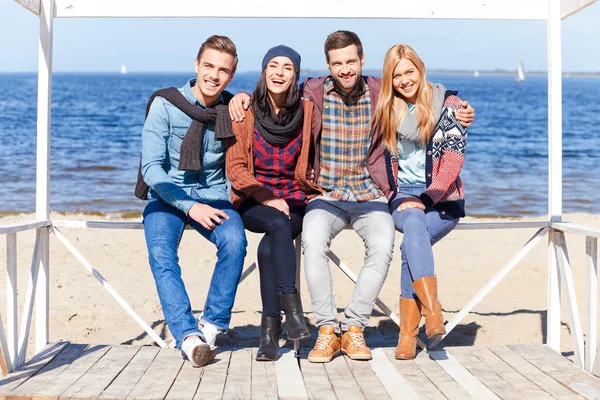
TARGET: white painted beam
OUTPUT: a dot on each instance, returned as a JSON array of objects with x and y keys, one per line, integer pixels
[
  {"x": 42, "y": 197},
  {"x": 570, "y": 7},
  {"x": 408, "y": 9},
  {"x": 554, "y": 113},
  {"x": 31, "y": 5},
  {"x": 23, "y": 226}
]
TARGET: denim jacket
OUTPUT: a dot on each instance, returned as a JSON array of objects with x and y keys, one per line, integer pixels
[{"x": 163, "y": 133}]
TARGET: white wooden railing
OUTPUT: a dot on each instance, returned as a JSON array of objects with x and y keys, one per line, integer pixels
[{"x": 13, "y": 341}]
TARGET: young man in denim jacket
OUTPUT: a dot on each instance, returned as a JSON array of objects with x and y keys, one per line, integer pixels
[{"x": 198, "y": 196}]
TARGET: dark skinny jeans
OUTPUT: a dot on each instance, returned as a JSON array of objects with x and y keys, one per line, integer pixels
[{"x": 276, "y": 251}]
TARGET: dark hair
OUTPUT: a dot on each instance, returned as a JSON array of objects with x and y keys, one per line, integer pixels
[
  {"x": 222, "y": 44},
  {"x": 260, "y": 100},
  {"x": 340, "y": 39}
]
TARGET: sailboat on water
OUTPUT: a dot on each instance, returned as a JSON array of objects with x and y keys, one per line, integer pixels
[
  {"x": 520, "y": 72},
  {"x": 123, "y": 69}
]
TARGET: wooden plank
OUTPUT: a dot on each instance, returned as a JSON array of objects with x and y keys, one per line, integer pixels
[
  {"x": 264, "y": 382},
  {"x": 484, "y": 373},
  {"x": 532, "y": 373},
  {"x": 239, "y": 384},
  {"x": 491, "y": 284},
  {"x": 566, "y": 275},
  {"x": 342, "y": 380},
  {"x": 27, "y": 312},
  {"x": 101, "y": 374},
  {"x": 570, "y": 7},
  {"x": 522, "y": 385},
  {"x": 501, "y": 225},
  {"x": 368, "y": 382},
  {"x": 464, "y": 378},
  {"x": 31, "y": 367},
  {"x": 553, "y": 314},
  {"x": 72, "y": 373},
  {"x": 112, "y": 291},
  {"x": 591, "y": 310},
  {"x": 47, "y": 374},
  {"x": 440, "y": 378},
  {"x": 31, "y": 5},
  {"x": 393, "y": 382},
  {"x": 186, "y": 383},
  {"x": 24, "y": 226},
  {"x": 576, "y": 228},
  {"x": 289, "y": 378},
  {"x": 467, "y": 9},
  {"x": 316, "y": 379},
  {"x": 562, "y": 370},
  {"x": 12, "y": 312},
  {"x": 415, "y": 377},
  {"x": 131, "y": 375},
  {"x": 214, "y": 377},
  {"x": 159, "y": 376}
]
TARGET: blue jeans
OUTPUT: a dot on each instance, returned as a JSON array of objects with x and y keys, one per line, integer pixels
[
  {"x": 324, "y": 219},
  {"x": 421, "y": 230},
  {"x": 163, "y": 227}
]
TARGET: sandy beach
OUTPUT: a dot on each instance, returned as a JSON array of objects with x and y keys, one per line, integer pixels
[{"x": 82, "y": 311}]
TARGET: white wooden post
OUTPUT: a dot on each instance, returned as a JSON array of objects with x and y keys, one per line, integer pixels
[
  {"x": 591, "y": 278},
  {"x": 566, "y": 277},
  {"x": 12, "y": 332},
  {"x": 42, "y": 204},
  {"x": 553, "y": 313},
  {"x": 554, "y": 113}
]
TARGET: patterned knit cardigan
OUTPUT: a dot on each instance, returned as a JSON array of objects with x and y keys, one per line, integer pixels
[{"x": 445, "y": 157}]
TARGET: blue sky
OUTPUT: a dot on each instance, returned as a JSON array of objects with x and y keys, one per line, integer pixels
[{"x": 170, "y": 45}]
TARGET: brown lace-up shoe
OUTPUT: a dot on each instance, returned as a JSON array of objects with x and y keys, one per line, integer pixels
[
  {"x": 326, "y": 346},
  {"x": 353, "y": 344}
]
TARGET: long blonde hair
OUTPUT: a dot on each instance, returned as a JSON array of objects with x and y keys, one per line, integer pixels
[{"x": 390, "y": 110}]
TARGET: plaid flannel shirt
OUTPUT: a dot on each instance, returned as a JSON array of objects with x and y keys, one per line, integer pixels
[
  {"x": 274, "y": 167},
  {"x": 345, "y": 141}
]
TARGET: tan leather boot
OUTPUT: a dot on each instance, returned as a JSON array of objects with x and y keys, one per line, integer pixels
[
  {"x": 353, "y": 344},
  {"x": 410, "y": 316},
  {"x": 326, "y": 346},
  {"x": 426, "y": 290}
]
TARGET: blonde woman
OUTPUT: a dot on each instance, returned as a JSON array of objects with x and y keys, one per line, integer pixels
[{"x": 419, "y": 128}]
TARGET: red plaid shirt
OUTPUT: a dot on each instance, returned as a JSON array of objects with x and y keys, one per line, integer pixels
[{"x": 274, "y": 167}]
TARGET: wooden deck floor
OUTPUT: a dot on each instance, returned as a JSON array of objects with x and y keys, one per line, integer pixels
[{"x": 78, "y": 371}]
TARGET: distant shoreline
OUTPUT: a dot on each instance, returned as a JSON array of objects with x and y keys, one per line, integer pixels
[{"x": 311, "y": 72}]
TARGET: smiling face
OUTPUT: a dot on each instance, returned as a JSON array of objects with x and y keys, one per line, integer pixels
[
  {"x": 215, "y": 70},
  {"x": 279, "y": 74},
  {"x": 407, "y": 80},
  {"x": 345, "y": 66}
]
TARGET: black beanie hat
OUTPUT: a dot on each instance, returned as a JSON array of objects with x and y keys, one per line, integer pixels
[{"x": 283, "y": 51}]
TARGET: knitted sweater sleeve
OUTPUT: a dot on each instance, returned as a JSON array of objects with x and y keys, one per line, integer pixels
[
  {"x": 453, "y": 144},
  {"x": 237, "y": 163}
]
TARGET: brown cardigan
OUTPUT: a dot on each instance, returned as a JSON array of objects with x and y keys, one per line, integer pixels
[{"x": 240, "y": 161}]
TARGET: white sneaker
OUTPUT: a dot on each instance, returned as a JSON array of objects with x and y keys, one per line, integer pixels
[
  {"x": 198, "y": 352},
  {"x": 209, "y": 334}
]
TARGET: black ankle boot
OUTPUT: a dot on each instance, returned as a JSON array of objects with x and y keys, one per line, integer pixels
[
  {"x": 294, "y": 316},
  {"x": 270, "y": 330}
]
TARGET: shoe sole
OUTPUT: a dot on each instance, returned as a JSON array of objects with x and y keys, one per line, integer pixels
[
  {"x": 436, "y": 335},
  {"x": 404, "y": 358},
  {"x": 202, "y": 355},
  {"x": 263, "y": 358},
  {"x": 306, "y": 336},
  {"x": 361, "y": 357},
  {"x": 322, "y": 359}
]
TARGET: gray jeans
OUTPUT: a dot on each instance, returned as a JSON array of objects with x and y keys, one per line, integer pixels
[{"x": 324, "y": 219}]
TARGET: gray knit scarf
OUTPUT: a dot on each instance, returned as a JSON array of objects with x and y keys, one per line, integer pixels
[{"x": 409, "y": 129}]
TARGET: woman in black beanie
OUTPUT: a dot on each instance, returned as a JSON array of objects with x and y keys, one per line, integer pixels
[{"x": 270, "y": 189}]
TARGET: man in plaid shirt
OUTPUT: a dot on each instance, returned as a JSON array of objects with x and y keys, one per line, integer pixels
[{"x": 349, "y": 165}]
